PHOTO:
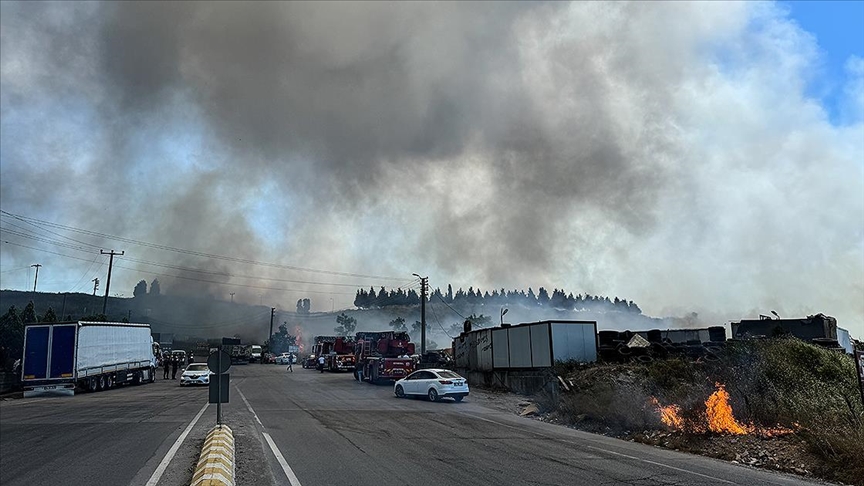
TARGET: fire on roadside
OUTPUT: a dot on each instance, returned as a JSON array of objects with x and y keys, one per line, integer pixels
[{"x": 718, "y": 416}]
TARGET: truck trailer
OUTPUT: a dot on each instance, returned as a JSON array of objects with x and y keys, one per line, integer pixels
[
  {"x": 383, "y": 356},
  {"x": 90, "y": 356}
]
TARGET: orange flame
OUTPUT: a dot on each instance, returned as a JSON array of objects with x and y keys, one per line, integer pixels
[
  {"x": 669, "y": 414},
  {"x": 720, "y": 418}
]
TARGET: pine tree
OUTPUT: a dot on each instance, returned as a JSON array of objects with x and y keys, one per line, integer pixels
[{"x": 140, "y": 289}]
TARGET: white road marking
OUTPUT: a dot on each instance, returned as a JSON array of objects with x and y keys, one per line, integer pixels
[
  {"x": 157, "y": 474},
  {"x": 289, "y": 473}
]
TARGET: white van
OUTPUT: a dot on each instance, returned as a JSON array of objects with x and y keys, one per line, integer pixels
[{"x": 256, "y": 354}]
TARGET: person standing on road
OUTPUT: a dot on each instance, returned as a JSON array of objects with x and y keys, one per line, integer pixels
[
  {"x": 166, "y": 363},
  {"x": 358, "y": 369},
  {"x": 290, "y": 361},
  {"x": 321, "y": 364},
  {"x": 174, "y": 364}
]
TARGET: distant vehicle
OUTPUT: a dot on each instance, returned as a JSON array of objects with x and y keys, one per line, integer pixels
[
  {"x": 196, "y": 374},
  {"x": 240, "y": 353},
  {"x": 94, "y": 356},
  {"x": 283, "y": 359},
  {"x": 383, "y": 356},
  {"x": 434, "y": 384},
  {"x": 256, "y": 354},
  {"x": 310, "y": 362},
  {"x": 179, "y": 355}
]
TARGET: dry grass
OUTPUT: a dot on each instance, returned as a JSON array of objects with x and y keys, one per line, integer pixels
[{"x": 782, "y": 382}]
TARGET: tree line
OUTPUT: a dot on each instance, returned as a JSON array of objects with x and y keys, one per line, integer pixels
[{"x": 558, "y": 299}]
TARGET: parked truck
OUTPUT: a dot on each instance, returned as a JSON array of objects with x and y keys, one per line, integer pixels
[
  {"x": 240, "y": 353},
  {"x": 322, "y": 346},
  {"x": 383, "y": 356},
  {"x": 91, "y": 356},
  {"x": 341, "y": 355}
]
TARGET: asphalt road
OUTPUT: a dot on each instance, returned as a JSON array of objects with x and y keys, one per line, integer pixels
[{"x": 325, "y": 429}]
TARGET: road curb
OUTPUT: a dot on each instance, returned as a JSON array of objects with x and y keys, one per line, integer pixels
[{"x": 216, "y": 464}]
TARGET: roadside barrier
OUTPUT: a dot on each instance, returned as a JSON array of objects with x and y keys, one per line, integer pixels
[{"x": 216, "y": 464}]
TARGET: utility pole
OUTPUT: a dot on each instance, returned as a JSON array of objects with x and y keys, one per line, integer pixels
[
  {"x": 95, "y": 285},
  {"x": 232, "y": 297},
  {"x": 270, "y": 336},
  {"x": 37, "y": 265},
  {"x": 108, "y": 284},
  {"x": 424, "y": 286}
]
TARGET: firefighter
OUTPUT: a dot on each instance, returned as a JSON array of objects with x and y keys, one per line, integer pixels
[{"x": 321, "y": 364}]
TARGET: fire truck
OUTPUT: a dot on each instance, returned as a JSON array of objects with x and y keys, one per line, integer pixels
[
  {"x": 383, "y": 355},
  {"x": 321, "y": 346},
  {"x": 340, "y": 356}
]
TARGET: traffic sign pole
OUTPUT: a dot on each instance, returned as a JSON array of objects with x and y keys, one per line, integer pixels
[{"x": 219, "y": 389}]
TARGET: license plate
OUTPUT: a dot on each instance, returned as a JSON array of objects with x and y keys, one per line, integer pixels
[{"x": 49, "y": 387}]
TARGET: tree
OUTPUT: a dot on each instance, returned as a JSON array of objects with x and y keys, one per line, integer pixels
[
  {"x": 154, "y": 287},
  {"x": 304, "y": 306},
  {"x": 11, "y": 338},
  {"x": 29, "y": 314},
  {"x": 49, "y": 316},
  {"x": 479, "y": 322},
  {"x": 542, "y": 297},
  {"x": 280, "y": 340},
  {"x": 140, "y": 289},
  {"x": 398, "y": 324},
  {"x": 416, "y": 328},
  {"x": 347, "y": 325}
]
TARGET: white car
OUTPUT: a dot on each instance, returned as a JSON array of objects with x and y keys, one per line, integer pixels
[
  {"x": 434, "y": 384},
  {"x": 283, "y": 359},
  {"x": 196, "y": 374}
]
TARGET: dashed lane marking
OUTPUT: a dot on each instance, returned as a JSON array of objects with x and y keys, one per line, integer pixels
[{"x": 289, "y": 473}]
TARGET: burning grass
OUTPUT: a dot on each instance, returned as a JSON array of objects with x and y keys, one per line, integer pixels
[{"x": 782, "y": 394}]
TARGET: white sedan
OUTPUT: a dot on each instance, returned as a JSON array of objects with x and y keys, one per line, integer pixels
[
  {"x": 196, "y": 374},
  {"x": 434, "y": 384},
  {"x": 283, "y": 359}
]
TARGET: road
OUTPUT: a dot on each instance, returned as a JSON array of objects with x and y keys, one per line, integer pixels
[{"x": 322, "y": 429}]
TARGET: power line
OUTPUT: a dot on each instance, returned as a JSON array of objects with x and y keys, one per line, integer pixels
[
  {"x": 46, "y": 230},
  {"x": 439, "y": 322},
  {"x": 225, "y": 274},
  {"x": 448, "y": 305},
  {"x": 182, "y": 277},
  {"x": 196, "y": 253}
]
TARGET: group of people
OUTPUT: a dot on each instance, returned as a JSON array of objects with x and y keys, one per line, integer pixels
[{"x": 170, "y": 362}]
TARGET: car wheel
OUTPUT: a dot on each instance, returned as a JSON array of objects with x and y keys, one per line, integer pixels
[
  {"x": 433, "y": 395},
  {"x": 400, "y": 392},
  {"x": 458, "y": 399}
]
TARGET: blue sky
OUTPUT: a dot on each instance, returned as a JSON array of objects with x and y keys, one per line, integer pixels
[{"x": 839, "y": 30}]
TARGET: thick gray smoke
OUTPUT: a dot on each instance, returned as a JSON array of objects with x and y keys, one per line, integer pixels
[{"x": 666, "y": 153}]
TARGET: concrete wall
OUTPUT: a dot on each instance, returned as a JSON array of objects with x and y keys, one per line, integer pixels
[{"x": 525, "y": 382}]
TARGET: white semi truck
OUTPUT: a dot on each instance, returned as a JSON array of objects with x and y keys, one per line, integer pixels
[{"x": 91, "y": 356}]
